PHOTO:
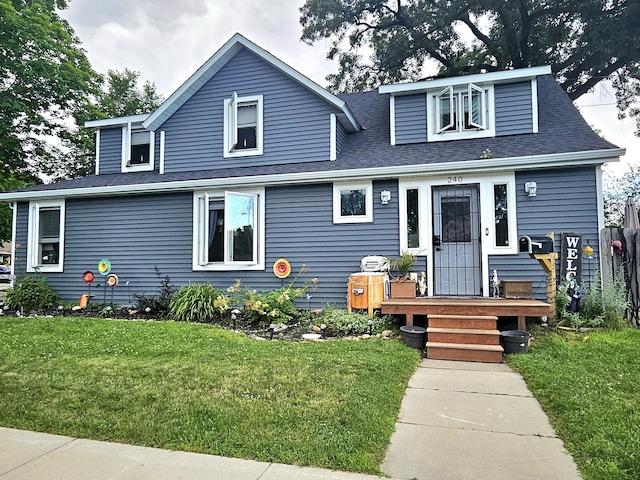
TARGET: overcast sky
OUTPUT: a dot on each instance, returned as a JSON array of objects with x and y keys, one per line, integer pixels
[{"x": 168, "y": 40}]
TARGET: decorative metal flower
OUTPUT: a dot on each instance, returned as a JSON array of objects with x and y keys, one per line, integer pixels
[
  {"x": 104, "y": 266},
  {"x": 281, "y": 268}
]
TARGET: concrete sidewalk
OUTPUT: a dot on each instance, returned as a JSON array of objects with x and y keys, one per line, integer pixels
[
  {"x": 462, "y": 420},
  {"x": 458, "y": 421}
]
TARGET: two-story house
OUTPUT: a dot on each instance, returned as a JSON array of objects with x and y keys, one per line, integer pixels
[{"x": 249, "y": 161}]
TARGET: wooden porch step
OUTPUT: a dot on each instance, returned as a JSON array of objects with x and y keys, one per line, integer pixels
[
  {"x": 465, "y": 352},
  {"x": 474, "y": 322},
  {"x": 467, "y": 336}
]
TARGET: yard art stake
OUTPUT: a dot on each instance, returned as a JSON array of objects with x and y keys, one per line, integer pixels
[
  {"x": 104, "y": 267},
  {"x": 112, "y": 281},
  {"x": 88, "y": 277}
]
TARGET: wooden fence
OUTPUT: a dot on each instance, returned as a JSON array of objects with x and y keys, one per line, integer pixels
[{"x": 620, "y": 249}]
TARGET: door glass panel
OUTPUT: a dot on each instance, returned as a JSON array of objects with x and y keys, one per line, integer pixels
[
  {"x": 456, "y": 219},
  {"x": 501, "y": 215},
  {"x": 413, "y": 225}
]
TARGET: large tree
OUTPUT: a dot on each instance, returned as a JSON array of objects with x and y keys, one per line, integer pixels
[
  {"x": 584, "y": 41},
  {"x": 44, "y": 78}
]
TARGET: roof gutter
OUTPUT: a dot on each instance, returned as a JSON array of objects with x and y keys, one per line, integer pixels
[{"x": 592, "y": 157}]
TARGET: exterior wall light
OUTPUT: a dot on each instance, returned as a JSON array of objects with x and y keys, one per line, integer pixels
[
  {"x": 531, "y": 188},
  {"x": 385, "y": 196}
]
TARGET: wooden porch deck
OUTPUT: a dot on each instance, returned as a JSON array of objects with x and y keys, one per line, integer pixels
[{"x": 499, "y": 307}]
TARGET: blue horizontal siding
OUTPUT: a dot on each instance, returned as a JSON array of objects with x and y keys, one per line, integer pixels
[
  {"x": 296, "y": 122},
  {"x": 513, "y": 108},
  {"x": 566, "y": 202},
  {"x": 137, "y": 233},
  {"x": 411, "y": 119},
  {"x": 110, "y": 150}
]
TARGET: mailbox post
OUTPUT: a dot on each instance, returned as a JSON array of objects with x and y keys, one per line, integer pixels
[{"x": 541, "y": 248}]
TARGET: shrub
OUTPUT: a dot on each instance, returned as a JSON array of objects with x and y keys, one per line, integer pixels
[
  {"x": 31, "y": 293},
  {"x": 599, "y": 306},
  {"x": 201, "y": 302},
  {"x": 341, "y": 321},
  {"x": 272, "y": 306},
  {"x": 157, "y": 303}
]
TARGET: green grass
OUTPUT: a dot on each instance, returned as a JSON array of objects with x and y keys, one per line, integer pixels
[
  {"x": 589, "y": 385},
  {"x": 203, "y": 389}
]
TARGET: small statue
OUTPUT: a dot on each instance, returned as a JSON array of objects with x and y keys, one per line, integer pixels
[
  {"x": 575, "y": 295},
  {"x": 422, "y": 284},
  {"x": 495, "y": 282}
]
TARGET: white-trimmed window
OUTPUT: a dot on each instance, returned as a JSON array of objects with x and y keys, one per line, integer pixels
[
  {"x": 243, "y": 126},
  {"x": 352, "y": 202},
  {"x": 45, "y": 243},
  {"x": 228, "y": 230},
  {"x": 137, "y": 148},
  {"x": 461, "y": 112}
]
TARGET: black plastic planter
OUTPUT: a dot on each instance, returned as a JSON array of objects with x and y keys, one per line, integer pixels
[
  {"x": 515, "y": 341},
  {"x": 414, "y": 337}
]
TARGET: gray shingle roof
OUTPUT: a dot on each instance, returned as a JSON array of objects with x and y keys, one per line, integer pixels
[{"x": 561, "y": 130}]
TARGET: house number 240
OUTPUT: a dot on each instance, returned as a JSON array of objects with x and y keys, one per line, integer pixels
[{"x": 454, "y": 179}]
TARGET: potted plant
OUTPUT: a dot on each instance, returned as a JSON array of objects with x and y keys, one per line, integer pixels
[{"x": 403, "y": 286}]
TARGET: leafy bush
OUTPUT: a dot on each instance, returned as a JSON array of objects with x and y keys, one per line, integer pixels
[
  {"x": 201, "y": 302},
  {"x": 272, "y": 306},
  {"x": 599, "y": 306},
  {"x": 157, "y": 303},
  {"x": 341, "y": 321},
  {"x": 31, "y": 293}
]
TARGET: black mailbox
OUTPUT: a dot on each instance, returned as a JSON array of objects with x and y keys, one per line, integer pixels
[{"x": 535, "y": 244}]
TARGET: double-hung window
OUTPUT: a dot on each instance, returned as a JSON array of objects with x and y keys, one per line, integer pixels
[
  {"x": 137, "y": 148},
  {"x": 461, "y": 112},
  {"x": 228, "y": 230},
  {"x": 45, "y": 243},
  {"x": 243, "y": 133}
]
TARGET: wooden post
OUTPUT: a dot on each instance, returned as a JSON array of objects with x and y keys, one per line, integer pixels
[{"x": 548, "y": 262}]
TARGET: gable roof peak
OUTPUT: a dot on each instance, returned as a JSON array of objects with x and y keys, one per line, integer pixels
[{"x": 219, "y": 60}]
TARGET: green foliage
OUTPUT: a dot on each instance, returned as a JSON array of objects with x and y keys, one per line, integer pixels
[
  {"x": 616, "y": 191},
  {"x": 588, "y": 386},
  {"x": 200, "y": 302},
  {"x": 353, "y": 323},
  {"x": 157, "y": 303},
  {"x": 118, "y": 96},
  {"x": 403, "y": 264},
  {"x": 202, "y": 389},
  {"x": 599, "y": 306},
  {"x": 32, "y": 293},
  {"x": 575, "y": 37},
  {"x": 272, "y": 306}
]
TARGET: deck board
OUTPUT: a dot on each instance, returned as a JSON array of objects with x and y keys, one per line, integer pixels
[{"x": 500, "y": 307}]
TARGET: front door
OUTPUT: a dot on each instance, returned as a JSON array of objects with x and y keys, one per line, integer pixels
[{"x": 456, "y": 240}]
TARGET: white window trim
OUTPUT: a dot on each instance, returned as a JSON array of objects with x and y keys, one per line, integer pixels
[
  {"x": 434, "y": 134},
  {"x": 98, "y": 152},
  {"x": 333, "y": 137},
  {"x": 201, "y": 225},
  {"x": 33, "y": 263},
  {"x": 368, "y": 217},
  {"x": 126, "y": 150},
  {"x": 487, "y": 219},
  {"x": 230, "y": 126}
]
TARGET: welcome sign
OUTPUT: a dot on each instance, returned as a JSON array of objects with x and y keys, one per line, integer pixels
[{"x": 571, "y": 256}]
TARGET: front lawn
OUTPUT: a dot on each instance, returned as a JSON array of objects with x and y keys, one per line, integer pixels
[
  {"x": 204, "y": 389},
  {"x": 589, "y": 385}
]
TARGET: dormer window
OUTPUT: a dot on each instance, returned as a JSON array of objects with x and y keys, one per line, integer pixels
[
  {"x": 461, "y": 112},
  {"x": 137, "y": 148},
  {"x": 243, "y": 126}
]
